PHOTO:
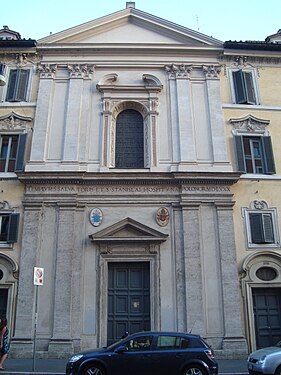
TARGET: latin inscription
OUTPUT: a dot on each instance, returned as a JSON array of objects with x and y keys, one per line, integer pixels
[{"x": 57, "y": 189}]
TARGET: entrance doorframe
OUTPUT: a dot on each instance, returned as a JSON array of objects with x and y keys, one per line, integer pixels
[
  {"x": 127, "y": 253},
  {"x": 250, "y": 281}
]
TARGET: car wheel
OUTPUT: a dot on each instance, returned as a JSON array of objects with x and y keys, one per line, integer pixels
[
  {"x": 93, "y": 370},
  {"x": 278, "y": 371},
  {"x": 194, "y": 370}
]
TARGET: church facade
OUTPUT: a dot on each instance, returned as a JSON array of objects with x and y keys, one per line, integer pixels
[{"x": 131, "y": 194}]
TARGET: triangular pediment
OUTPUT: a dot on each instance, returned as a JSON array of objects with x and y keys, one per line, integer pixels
[
  {"x": 131, "y": 26},
  {"x": 128, "y": 230}
]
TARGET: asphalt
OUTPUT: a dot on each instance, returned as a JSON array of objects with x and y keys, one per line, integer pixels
[{"x": 57, "y": 367}]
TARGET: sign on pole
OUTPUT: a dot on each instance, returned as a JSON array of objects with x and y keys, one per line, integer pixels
[{"x": 38, "y": 275}]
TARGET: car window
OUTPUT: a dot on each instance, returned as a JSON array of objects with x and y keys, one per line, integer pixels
[
  {"x": 139, "y": 343},
  {"x": 171, "y": 342}
]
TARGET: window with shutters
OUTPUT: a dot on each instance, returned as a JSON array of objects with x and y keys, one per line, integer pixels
[
  {"x": 8, "y": 227},
  {"x": 261, "y": 225},
  {"x": 253, "y": 146},
  {"x": 17, "y": 88},
  {"x": 12, "y": 152},
  {"x": 254, "y": 154},
  {"x": 244, "y": 87}
]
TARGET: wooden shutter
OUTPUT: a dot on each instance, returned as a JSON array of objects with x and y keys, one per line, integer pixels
[
  {"x": 12, "y": 235},
  {"x": 268, "y": 228},
  {"x": 11, "y": 85},
  {"x": 23, "y": 75},
  {"x": 21, "y": 152},
  {"x": 256, "y": 226},
  {"x": 240, "y": 157},
  {"x": 268, "y": 155},
  {"x": 239, "y": 87},
  {"x": 249, "y": 87},
  {"x": 261, "y": 227}
]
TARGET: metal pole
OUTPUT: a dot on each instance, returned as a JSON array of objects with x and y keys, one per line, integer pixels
[{"x": 35, "y": 327}]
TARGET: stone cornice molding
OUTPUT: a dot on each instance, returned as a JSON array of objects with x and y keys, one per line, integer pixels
[
  {"x": 108, "y": 84},
  {"x": 47, "y": 71},
  {"x": 243, "y": 61},
  {"x": 108, "y": 79},
  {"x": 151, "y": 80},
  {"x": 156, "y": 179},
  {"x": 178, "y": 71},
  {"x": 20, "y": 60},
  {"x": 80, "y": 70},
  {"x": 248, "y": 124},
  {"x": 13, "y": 121}
]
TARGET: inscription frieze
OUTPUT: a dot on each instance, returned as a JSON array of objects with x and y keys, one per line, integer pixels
[{"x": 124, "y": 189}]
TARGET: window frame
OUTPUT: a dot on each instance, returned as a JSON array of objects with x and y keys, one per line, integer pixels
[
  {"x": 267, "y": 157},
  {"x": 260, "y": 208},
  {"x": 245, "y": 72},
  {"x": 12, "y": 228},
  {"x": 20, "y": 152},
  {"x": 14, "y": 98}
]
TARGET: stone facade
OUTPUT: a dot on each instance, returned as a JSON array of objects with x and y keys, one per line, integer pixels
[{"x": 184, "y": 213}]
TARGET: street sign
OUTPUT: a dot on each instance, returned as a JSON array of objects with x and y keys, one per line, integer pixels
[{"x": 38, "y": 275}]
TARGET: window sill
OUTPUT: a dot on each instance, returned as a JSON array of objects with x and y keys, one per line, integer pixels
[
  {"x": 8, "y": 176},
  {"x": 252, "y": 106},
  {"x": 263, "y": 246},
  {"x": 17, "y": 104},
  {"x": 5, "y": 245},
  {"x": 253, "y": 176}
]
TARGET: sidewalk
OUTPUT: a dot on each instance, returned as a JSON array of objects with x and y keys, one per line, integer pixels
[{"x": 57, "y": 367}]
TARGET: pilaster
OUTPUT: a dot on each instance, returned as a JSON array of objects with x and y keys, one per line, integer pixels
[{"x": 234, "y": 343}]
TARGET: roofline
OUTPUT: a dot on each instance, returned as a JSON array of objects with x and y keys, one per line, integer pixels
[
  {"x": 119, "y": 15},
  {"x": 252, "y": 45}
]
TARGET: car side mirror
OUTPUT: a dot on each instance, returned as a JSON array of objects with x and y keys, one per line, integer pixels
[{"x": 121, "y": 349}]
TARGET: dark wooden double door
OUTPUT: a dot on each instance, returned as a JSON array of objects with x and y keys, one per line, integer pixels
[
  {"x": 128, "y": 298},
  {"x": 267, "y": 314}
]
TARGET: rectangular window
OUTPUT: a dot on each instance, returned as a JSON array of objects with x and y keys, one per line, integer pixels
[
  {"x": 9, "y": 227},
  {"x": 17, "y": 85},
  {"x": 244, "y": 87},
  {"x": 262, "y": 230},
  {"x": 254, "y": 154},
  {"x": 12, "y": 152}
]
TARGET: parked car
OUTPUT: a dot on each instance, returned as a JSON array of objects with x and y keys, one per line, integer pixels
[
  {"x": 149, "y": 353},
  {"x": 265, "y": 361}
]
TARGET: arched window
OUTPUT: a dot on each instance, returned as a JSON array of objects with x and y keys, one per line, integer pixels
[{"x": 129, "y": 148}]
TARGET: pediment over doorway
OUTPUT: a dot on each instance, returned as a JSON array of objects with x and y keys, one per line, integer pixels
[{"x": 128, "y": 230}]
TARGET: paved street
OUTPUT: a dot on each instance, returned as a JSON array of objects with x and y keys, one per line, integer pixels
[{"x": 57, "y": 367}]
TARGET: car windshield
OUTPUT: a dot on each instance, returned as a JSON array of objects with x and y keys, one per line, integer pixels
[{"x": 114, "y": 344}]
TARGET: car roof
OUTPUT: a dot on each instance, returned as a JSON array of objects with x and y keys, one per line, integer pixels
[{"x": 168, "y": 333}]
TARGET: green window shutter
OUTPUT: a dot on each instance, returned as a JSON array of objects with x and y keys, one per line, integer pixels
[
  {"x": 249, "y": 87},
  {"x": 268, "y": 155},
  {"x": 268, "y": 228},
  {"x": 240, "y": 157},
  {"x": 12, "y": 234},
  {"x": 23, "y": 75},
  {"x": 11, "y": 85},
  {"x": 21, "y": 152},
  {"x": 256, "y": 226},
  {"x": 239, "y": 87}
]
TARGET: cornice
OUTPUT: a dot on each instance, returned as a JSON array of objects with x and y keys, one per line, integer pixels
[
  {"x": 81, "y": 178},
  {"x": 250, "y": 58}
]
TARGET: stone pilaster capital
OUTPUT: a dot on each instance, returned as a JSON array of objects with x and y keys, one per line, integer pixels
[
  {"x": 178, "y": 71},
  {"x": 80, "y": 70},
  {"x": 212, "y": 71},
  {"x": 47, "y": 70}
]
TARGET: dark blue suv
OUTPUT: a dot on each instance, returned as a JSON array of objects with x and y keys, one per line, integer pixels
[{"x": 149, "y": 353}]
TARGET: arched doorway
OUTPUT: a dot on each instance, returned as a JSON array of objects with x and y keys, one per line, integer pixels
[{"x": 261, "y": 285}]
